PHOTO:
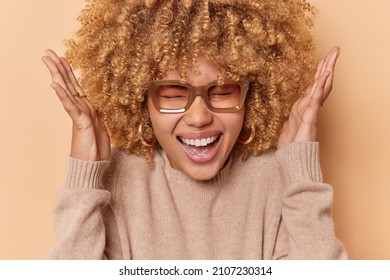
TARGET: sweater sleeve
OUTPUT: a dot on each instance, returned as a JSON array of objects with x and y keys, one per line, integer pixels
[
  {"x": 307, "y": 227},
  {"x": 79, "y": 222}
]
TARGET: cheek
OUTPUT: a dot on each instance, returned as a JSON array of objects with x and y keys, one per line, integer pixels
[
  {"x": 234, "y": 123},
  {"x": 163, "y": 124}
]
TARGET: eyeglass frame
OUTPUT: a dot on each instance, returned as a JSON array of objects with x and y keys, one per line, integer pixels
[{"x": 198, "y": 91}]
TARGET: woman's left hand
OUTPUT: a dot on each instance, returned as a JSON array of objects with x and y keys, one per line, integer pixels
[{"x": 302, "y": 122}]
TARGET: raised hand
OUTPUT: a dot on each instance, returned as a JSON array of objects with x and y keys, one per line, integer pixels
[
  {"x": 90, "y": 141},
  {"x": 302, "y": 122}
]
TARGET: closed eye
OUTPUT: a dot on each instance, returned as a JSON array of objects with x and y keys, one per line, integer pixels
[
  {"x": 171, "y": 96},
  {"x": 224, "y": 90},
  {"x": 172, "y": 92}
]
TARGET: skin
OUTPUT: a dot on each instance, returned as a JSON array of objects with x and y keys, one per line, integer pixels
[
  {"x": 90, "y": 142},
  {"x": 196, "y": 123},
  {"x": 301, "y": 126}
]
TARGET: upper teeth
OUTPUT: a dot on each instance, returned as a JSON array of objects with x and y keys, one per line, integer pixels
[{"x": 199, "y": 142}]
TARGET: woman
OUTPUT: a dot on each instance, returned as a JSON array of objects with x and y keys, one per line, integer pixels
[{"x": 211, "y": 109}]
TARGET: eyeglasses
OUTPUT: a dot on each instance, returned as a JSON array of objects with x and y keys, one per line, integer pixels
[{"x": 171, "y": 96}]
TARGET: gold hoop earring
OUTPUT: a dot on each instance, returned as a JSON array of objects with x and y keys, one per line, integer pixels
[
  {"x": 251, "y": 137},
  {"x": 141, "y": 138}
]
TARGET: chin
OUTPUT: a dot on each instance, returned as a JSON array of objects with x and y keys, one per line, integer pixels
[{"x": 202, "y": 173}]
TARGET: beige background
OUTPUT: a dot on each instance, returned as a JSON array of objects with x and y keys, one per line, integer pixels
[{"x": 355, "y": 137}]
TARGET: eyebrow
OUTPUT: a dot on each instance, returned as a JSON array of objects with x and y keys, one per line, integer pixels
[
  {"x": 174, "y": 86},
  {"x": 179, "y": 83},
  {"x": 222, "y": 87}
]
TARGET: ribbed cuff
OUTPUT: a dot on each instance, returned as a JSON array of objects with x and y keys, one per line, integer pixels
[
  {"x": 300, "y": 162},
  {"x": 85, "y": 174}
]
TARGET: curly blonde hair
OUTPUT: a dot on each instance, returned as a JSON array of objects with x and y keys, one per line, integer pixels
[{"x": 122, "y": 45}]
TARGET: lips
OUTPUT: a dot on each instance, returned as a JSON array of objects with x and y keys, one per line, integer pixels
[{"x": 201, "y": 149}]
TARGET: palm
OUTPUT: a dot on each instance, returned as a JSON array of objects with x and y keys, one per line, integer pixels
[{"x": 302, "y": 122}]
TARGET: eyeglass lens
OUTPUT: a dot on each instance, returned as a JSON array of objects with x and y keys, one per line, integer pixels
[{"x": 178, "y": 96}]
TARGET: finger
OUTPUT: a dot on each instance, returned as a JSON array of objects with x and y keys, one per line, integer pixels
[
  {"x": 69, "y": 105},
  {"x": 76, "y": 85},
  {"x": 54, "y": 71},
  {"x": 331, "y": 67},
  {"x": 329, "y": 57},
  {"x": 57, "y": 72},
  {"x": 64, "y": 74},
  {"x": 72, "y": 76},
  {"x": 327, "y": 64},
  {"x": 319, "y": 69},
  {"x": 56, "y": 75},
  {"x": 324, "y": 64},
  {"x": 330, "y": 60},
  {"x": 318, "y": 96}
]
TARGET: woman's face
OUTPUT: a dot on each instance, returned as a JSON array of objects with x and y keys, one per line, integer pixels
[{"x": 198, "y": 141}]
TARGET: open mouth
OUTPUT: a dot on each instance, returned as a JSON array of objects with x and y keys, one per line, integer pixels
[{"x": 201, "y": 150}]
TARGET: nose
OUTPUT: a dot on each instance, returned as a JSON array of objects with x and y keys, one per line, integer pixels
[{"x": 198, "y": 115}]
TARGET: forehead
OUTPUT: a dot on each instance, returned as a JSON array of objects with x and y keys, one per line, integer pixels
[{"x": 203, "y": 73}]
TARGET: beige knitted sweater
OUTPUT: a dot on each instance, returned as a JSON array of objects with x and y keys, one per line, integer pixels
[{"x": 270, "y": 207}]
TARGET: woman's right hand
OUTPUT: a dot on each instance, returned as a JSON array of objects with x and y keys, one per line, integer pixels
[{"x": 90, "y": 141}]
